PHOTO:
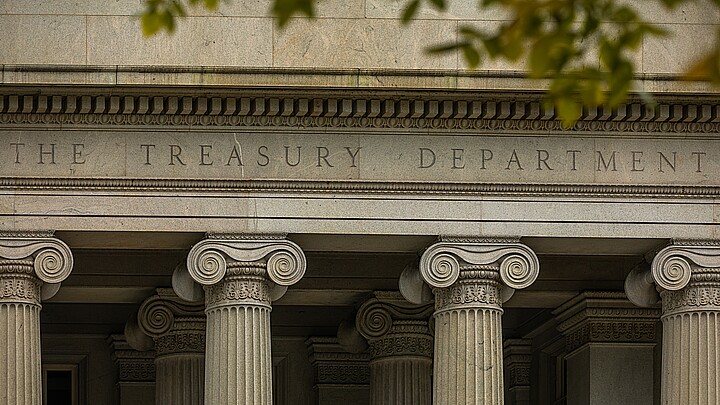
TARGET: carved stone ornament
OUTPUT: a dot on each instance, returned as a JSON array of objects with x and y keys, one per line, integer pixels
[
  {"x": 412, "y": 286},
  {"x": 442, "y": 262},
  {"x": 376, "y": 316},
  {"x": 285, "y": 262},
  {"x": 673, "y": 266},
  {"x": 605, "y": 316},
  {"x": 174, "y": 324},
  {"x": 52, "y": 258}
]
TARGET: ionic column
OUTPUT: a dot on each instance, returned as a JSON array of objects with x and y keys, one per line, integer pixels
[
  {"x": 32, "y": 266},
  {"x": 609, "y": 344},
  {"x": 242, "y": 275},
  {"x": 176, "y": 329},
  {"x": 518, "y": 356},
  {"x": 687, "y": 275},
  {"x": 400, "y": 349},
  {"x": 470, "y": 280}
]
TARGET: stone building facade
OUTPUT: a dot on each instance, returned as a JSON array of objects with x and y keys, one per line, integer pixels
[{"x": 323, "y": 215}]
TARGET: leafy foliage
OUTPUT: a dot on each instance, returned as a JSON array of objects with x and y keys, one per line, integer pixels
[{"x": 584, "y": 47}]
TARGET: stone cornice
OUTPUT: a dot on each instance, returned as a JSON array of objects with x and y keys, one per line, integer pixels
[
  {"x": 388, "y": 110},
  {"x": 277, "y": 77}
]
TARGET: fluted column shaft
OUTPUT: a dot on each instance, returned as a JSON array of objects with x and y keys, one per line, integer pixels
[
  {"x": 691, "y": 335},
  {"x": 239, "y": 363},
  {"x": 401, "y": 365},
  {"x": 687, "y": 275},
  {"x": 468, "y": 341},
  {"x": 175, "y": 328},
  {"x": 470, "y": 279},
  {"x": 401, "y": 347},
  {"x": 403, "y": 380},
  {"x": 20, "y": 376},
  {"x": 32, "y": 266},
  {"x": 180, "y": 364}
]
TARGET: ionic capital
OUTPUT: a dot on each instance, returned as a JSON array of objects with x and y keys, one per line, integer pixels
[
  {"x": 51, "y": 258},
  {"x": 442, "y": 263},
  {"x": 209, "y": 260},
  {"x": 392, "y": 326},
  {"x": 674, "y": 267},
  {"x": 377, "y": 316},
  {"x": 173, "y": 324}
]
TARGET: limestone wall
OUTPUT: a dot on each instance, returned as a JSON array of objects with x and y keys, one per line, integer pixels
[{"x": 347, "y": 35}]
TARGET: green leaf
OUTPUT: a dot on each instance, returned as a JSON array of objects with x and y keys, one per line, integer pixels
[
  {"x": 410, "y": 10},
  {"x": 444, "y": 48},
  {"x": 439, "y": 4},
  {"x": 472, "y": 56},
  {"x": 568, "y": 110},
  {"x": 151, "y": 23},
  {"x": 285, "y": 9},
  {"x": 619, "y": 83}
]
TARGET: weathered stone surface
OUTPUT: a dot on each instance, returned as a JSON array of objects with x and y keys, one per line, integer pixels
[
  {"x": 676, "y": 53},
  {"x": 361, "y": 43},
  {"x": 346, "y": 155},
  {"x": 117, "y": 40},
  {"x": 43, "y": 39}
]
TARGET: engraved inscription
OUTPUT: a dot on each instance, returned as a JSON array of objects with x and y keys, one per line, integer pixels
[{"x": 317, "y": 155}]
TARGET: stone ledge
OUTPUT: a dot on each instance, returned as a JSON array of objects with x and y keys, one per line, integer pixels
[{"x": 213, "y": 77}]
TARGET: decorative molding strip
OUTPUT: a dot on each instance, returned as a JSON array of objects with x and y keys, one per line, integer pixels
[
  {"x": 369, "y": 187},
  {"x": 133, "y": 365},
  {"x": 405, "y": 110},
  {"x": 233, "y": 186},
  {"x": 333, "y": 365},
  {"x": 605, "y": 316}
]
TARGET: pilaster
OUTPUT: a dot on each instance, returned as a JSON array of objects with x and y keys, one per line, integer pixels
[
  {"x": 518, "y": 358},
  {"x": 470, "y": 279},
  {"x": 136, "y": 372},
  {"x": 610, "y": 345},
  {"x": 177, "y": 329},
  {"x": 401, "y": 346},
  {"x": 339, "y": 377},
  {"x": 688, "y": 278},
  {"x": 242, "y": 275},
  {"x": 32, "y": 266}
]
